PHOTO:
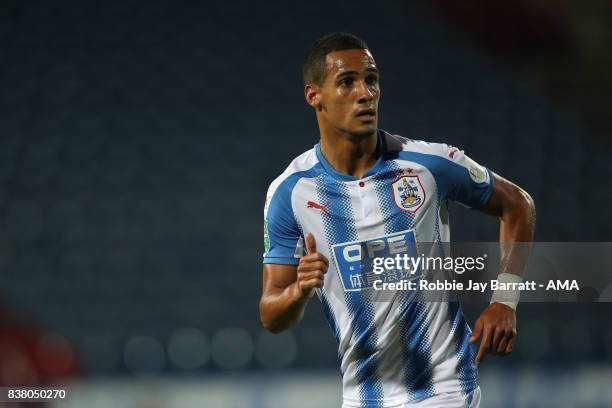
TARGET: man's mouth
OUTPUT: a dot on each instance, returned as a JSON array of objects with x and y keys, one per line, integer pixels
[{"x": 366, "y": 114}]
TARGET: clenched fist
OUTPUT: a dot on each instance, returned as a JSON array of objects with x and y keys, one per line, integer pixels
[{"x": 311, "y": 270}]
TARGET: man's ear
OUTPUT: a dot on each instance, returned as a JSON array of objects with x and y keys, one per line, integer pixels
[{"x": 313, "y": 96}]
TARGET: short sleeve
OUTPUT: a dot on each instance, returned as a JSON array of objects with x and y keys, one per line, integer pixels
[
  {"x": 282, "y": 237},
  {"x": 465, "y": 181}
]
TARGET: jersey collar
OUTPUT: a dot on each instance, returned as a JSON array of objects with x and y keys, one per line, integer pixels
[{"x": 345, "y": 177}]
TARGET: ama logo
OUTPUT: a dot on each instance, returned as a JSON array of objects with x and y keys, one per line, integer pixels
[
  {"x": 408, "y": 193},
  {"x": 354, "y": 260}
]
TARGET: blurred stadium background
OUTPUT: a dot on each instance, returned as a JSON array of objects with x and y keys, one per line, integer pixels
[{"x": 137, "y": 140}]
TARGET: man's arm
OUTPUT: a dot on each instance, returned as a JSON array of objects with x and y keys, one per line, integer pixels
[
  {"x": 287, "y": 288},
  {"x": 516, "y": 211}
]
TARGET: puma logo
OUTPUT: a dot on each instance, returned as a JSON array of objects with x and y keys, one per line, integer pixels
[{"x": 312, "y": 204}]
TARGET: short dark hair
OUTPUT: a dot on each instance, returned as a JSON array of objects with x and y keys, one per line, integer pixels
[{"x": 314, "y": 63}]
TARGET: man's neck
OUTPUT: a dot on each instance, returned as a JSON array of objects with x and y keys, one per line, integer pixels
[{"x": 348, "y": 155}]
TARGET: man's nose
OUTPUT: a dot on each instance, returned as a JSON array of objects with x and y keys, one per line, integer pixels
[{"x": 365, "y": 93}]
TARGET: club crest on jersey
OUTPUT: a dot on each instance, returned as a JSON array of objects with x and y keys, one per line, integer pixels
[{"x": 408, "y": 193}]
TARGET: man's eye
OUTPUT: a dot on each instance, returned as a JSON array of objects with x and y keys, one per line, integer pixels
[
  {"x": 372, "y": 80},
  {"x": 346, "y": 82}
]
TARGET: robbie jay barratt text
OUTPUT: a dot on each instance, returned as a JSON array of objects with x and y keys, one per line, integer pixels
[{"x": 494, "y": 284}]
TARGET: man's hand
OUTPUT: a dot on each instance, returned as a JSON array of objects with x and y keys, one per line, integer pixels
[
  {"x": 311, "y": 270},
  {"x": 497, "y": 327},
  {"x": 288, "y": 288}
]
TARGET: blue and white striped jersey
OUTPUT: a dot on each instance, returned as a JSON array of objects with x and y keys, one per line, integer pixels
[{"x": 401, "y": 349}]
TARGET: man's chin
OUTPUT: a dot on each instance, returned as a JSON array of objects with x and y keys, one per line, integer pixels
[{"x": 363, "y": 132}]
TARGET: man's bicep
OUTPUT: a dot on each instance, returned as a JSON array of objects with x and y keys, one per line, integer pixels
[
  {"x": 503, "y": 196},
  {"x": 277, "y": 276}
]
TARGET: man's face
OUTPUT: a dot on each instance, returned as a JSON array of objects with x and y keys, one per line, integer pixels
[{"x": 348, "y": 98}]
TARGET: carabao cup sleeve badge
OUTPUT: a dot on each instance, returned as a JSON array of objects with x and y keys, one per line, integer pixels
[{"x": 266, "y": 237}]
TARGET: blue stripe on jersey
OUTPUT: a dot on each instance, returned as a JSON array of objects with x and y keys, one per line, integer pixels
[
  {"x": 339, "y": 228},
  {"x": 414, "y": 337},
  {"x": 331, "y": 320},
  {"x": 467, "y": 370},
  {"x": 470, "y": 398},
  {"x": 413, "y": 313},
  {"x": 452, "y": 180}
]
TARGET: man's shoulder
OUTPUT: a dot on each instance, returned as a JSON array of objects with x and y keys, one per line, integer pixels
[
  {"x": 301, "y": 166},
  {"x": 403, "y": 146}
]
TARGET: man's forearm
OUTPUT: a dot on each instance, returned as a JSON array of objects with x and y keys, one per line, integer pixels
[
  {"x": 281, "y": 308},
  {"x": 517, "y": 225}
]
